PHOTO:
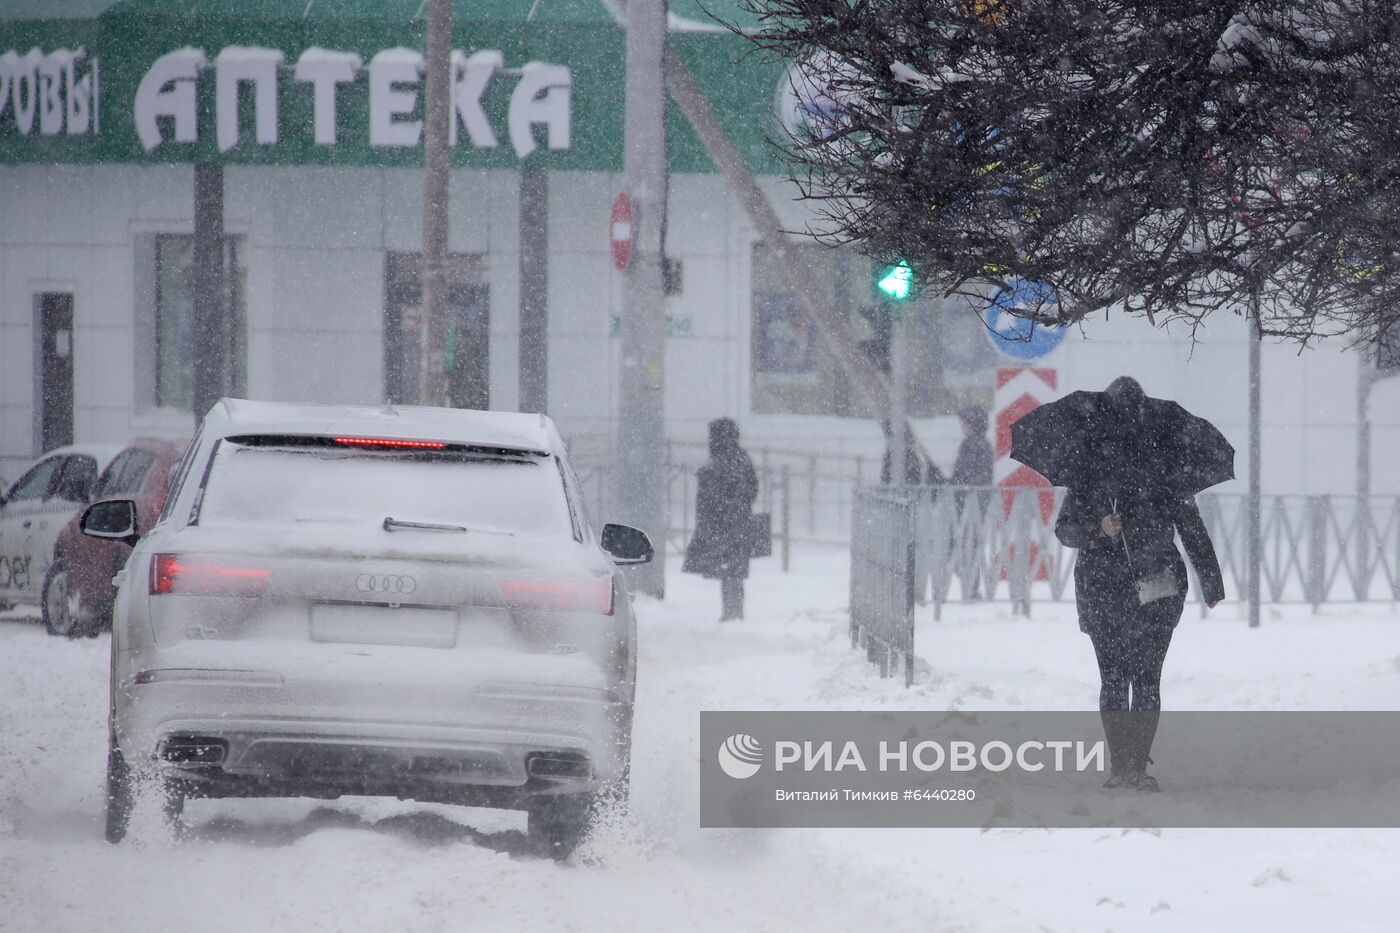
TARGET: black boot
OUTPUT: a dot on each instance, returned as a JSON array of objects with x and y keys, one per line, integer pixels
[
  {"x": 1115, "y": 726},
  {"x": 1139, "y": 733},
  {"x": 732, "y": 598}
]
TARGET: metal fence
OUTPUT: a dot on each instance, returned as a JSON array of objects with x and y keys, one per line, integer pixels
[
  {"x": 995, "y": 543},
  {"x": 919, "y": 544},
  {"x": 808, "y": 495},
  {"x": 1314, "y": 549},
  {"x": 883, "y": 578}
]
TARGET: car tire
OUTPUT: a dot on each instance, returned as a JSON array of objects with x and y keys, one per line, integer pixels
[
  {"x": 95, "y": 620},
  {"x": 120, "y": 794},
  {"x": 558, "y": 823},
  {"x": 55, "y": 604}
]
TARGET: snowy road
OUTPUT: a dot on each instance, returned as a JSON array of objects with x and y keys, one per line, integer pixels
[{"x": 384, "y": 865}]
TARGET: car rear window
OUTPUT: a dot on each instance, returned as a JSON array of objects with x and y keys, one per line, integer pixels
[{"x": 262, "y": 483}]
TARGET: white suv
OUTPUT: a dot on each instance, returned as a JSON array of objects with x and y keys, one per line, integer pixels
[{"x": 385, "y": 601}]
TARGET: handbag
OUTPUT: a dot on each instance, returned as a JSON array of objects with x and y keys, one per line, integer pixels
[
  {"x": 760, "y": 534},
  {"x": 1158, "y": 586},
  {"x": 1153, "y": 587}
]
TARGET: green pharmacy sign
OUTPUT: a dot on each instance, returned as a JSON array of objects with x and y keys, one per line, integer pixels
[{"x": 288, "y": 82}]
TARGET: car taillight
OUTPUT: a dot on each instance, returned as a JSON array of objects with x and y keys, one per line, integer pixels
[
  {"x": 201, "y": 575},
  {"x": 594, "y": 594}
]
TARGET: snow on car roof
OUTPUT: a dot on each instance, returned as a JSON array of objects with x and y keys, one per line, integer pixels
[
  {"x": 102, "y": 453},
  {"x": 506, "y": 429}
]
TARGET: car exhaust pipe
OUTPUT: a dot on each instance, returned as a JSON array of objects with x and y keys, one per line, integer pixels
[
  {"x": 558, "y": 765},
  {"x": 192, "y": 751}
]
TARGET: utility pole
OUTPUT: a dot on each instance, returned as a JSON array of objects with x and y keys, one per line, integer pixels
[
  {"x": 534, "y": 291},
  {"x": 801, "y": 273},
  {"x": 641, "y": 428},
  {"x": 1366, "y": 375},
  {"x": 1367, "y": 372},
  {"x": 1255, "y": 477},
  {"x": 212, "y": 364},
  {"x": 432, "y": 383}
]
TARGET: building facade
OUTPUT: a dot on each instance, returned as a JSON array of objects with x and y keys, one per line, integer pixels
[{"x": 317, "y": 123}]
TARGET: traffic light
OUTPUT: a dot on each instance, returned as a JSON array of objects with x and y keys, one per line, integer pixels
[
  {"x": 877, "y": 346},
  {"x": 896, "y": 281}
]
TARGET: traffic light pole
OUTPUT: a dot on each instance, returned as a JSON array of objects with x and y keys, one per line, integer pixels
[{"x": 899, "y": 396}]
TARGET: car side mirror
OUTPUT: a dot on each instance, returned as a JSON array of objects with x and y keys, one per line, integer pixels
[
  {"x": 626, "y": 544},
  {"x": 112, "y": 520}
]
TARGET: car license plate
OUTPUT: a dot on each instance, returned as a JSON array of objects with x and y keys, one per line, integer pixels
[{"x": 384, "y": 625}]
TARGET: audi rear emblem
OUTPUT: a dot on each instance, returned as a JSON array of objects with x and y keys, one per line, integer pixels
[{"x": 385, "y": 583}]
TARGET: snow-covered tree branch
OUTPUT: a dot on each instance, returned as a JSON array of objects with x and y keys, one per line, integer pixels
[{"x": 1171, "y": 159}]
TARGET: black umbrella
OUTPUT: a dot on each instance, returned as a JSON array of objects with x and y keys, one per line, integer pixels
[{"x": 1085, "y": 440}]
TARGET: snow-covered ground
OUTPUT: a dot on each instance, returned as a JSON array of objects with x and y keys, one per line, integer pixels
[{"x": 386, "y": 865}]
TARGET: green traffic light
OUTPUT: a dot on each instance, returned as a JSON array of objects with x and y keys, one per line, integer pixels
[{"x": 897, "y": 282}]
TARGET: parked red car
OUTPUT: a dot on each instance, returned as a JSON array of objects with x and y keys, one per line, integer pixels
[{"x": 78, "y": 589}]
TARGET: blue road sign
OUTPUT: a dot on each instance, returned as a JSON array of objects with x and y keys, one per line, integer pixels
[{"x": 1017, "y": 337}]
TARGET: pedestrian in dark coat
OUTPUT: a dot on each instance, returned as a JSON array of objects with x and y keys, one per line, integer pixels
[
  {"x": 725, "y": 489},
  {"x": 1129, "y": 579},
  {"x": 918, "y": 470},
  {"x": 972, "y": 467}
]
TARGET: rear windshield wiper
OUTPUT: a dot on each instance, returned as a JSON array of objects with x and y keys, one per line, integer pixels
[{"x": 393, "y": 524}]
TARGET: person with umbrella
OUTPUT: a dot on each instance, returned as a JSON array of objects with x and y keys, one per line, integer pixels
[{"x": 1132, "y": 466}]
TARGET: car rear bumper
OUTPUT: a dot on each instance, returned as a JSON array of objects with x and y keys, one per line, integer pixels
[
  {"x": 425, "y": 736},
  {"x": 236, "y": 759}
]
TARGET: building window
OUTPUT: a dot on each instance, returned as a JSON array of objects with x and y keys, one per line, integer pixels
[
  {"x": 791, "y": 369},
  {"x": 949, "y": 361},
  {"x": 176, "y": 345},
  {"x": 468, "y": 351}
]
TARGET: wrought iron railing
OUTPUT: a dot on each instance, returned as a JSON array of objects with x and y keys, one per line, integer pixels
[{"x": 999, "y": 543}]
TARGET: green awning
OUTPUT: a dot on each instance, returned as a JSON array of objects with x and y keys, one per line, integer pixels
[{"x": 44, "y": 117}]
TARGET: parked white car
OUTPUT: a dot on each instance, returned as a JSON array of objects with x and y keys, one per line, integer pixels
[
  {"x": 35, "y": 508},
  {"x": 372, "y": 600}
]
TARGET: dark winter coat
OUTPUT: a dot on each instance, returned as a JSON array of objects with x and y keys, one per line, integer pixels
[
  {"x": 973, "y": 466},
  {"x": 725, "y": 489},
  {"x": 917, "y": 470},
  {"x": 1105, "y": 573}
]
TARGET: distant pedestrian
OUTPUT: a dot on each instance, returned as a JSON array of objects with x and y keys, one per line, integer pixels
[
  {"x": 918, "y": 470},
  {"x": 725, "y": 489},
  {"x": 973, "y": 467}
]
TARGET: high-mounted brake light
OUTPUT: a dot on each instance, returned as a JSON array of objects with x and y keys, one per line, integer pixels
[
  {"x": 566, "y": 595},
  {"x": 389, "y": 442},
  {"x": 198, "y": 575}
]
